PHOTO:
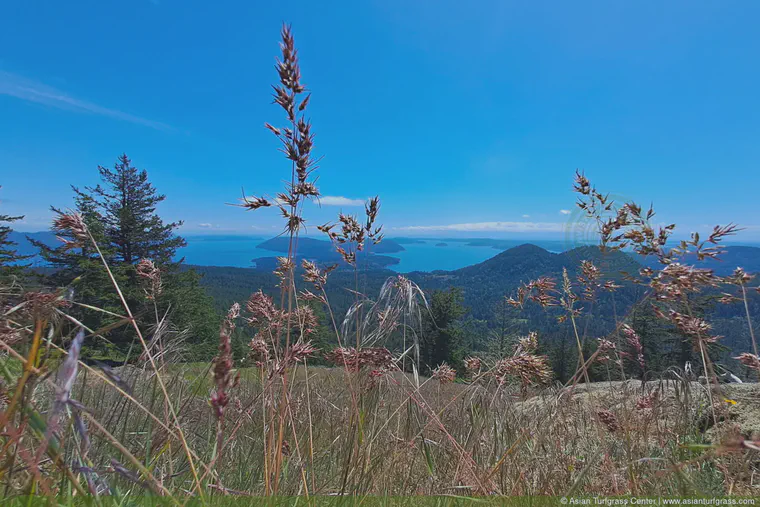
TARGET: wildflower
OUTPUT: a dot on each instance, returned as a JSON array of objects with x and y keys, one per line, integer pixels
[
  {"x": 353, "y": 236},
  {"x": 305, "y": 319},
  {"x": 605, "y": 349},
  {"x": 539, "y": 291},
  {"x": 727, "y": 299},
  {"x": 284, "y": 266},
  {"x": 375, "y": 376},
  {"x": 307, "y": 295},
  {"x": 693, "y": 326}
]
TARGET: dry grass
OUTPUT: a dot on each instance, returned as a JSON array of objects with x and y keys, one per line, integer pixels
[{"x": 371, "y": 425}]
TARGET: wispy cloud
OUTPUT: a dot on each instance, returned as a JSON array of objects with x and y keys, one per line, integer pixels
[
  {"x": 526, "y": 216},
  {"x": 489, "y": 227},
  {"x": 29, "y": 90},
  {"x": 336, "y": 200},
  {"x": 205, "y": 225},
  {"x": 564, "y": 211}
]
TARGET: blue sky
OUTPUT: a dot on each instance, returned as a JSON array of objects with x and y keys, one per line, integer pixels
[{"x": 467, "y": 118}]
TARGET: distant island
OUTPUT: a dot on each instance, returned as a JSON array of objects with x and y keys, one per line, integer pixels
[
  {"x": 407, "y": 241},
  {"x": 268, "y": 264},
  {"x": 309, "y": 247},
  {"x": 323, "y": 252}
]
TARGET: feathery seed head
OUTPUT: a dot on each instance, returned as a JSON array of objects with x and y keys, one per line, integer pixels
[
  {"x": 444, "y": 373},
  {"x": 73, "y": 224}
]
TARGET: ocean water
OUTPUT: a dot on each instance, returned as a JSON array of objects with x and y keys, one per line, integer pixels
[
  {"x": 429, "y": 257},
  {"x": 235, "y": 251},
  {"x": 240, "y": 251}
]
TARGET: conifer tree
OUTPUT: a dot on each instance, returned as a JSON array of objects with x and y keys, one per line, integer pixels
[
  {"x": 121, "y": 216},
  {"x": 126, "y": 202},
  {"x": 443, "y": 331}
]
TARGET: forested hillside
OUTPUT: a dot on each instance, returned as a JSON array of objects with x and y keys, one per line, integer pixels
[{"x": 487, "y": 318}]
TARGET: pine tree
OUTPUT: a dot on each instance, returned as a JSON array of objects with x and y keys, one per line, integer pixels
[{"x": 127, "y": 204}]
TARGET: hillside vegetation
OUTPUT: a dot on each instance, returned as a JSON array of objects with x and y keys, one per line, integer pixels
[{"x": 585, "y": 372}]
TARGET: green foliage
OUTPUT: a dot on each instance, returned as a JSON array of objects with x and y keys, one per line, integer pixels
[
  {"x": 490, "y": 326},
  {"x": 442, "y": 337},
  {"x": 121, "y": 217},
  {"x": 10, "y": 259},
  {"x": 126, "y": 205}
]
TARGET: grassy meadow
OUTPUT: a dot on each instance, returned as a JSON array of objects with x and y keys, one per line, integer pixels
[{"x": 366, "y": 417}]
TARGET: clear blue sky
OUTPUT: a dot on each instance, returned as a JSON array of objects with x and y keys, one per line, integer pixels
[{"x": 458, "y": 114}]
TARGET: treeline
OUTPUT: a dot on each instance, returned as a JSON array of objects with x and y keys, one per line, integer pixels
[
  {"x": 468, "y": 314},
  {"x": 466, "y": 311},
  {"x": 140, "y": 250}
]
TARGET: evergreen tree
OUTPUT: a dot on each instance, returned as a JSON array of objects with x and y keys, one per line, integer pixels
[
  {"x": 662, "y": 346},
  {"x": 126, "y": 202},
  {"x": 562, "y": 355},
  {"x": 441, "y": 340},
  {"x": 505, "y": 330},
  {"x": 120, "y": 214}
]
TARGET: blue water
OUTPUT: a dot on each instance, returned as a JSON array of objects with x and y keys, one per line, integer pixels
[
  {"x": 235, "y": 251},
  {"x": 240, "y": 251},
  {"x": 429, "y": 257}
]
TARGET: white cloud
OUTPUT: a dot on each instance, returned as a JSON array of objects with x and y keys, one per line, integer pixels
[
  {"x": 565, "y": 211},
  {"x": 337, "y": 200},
  {"x": 526, "y": 216},
  {"x": 489, "y": 227},
  {"x": 22, "y": 88},
  {"x": 205, "y": 225}
]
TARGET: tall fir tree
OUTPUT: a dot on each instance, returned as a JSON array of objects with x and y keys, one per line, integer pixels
[
  {"x": 120, "y": 214},
  {"x": 127, "y": 202}
]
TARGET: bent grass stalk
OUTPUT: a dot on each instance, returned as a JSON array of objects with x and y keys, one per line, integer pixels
[{"x": 148, "y": 354}]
